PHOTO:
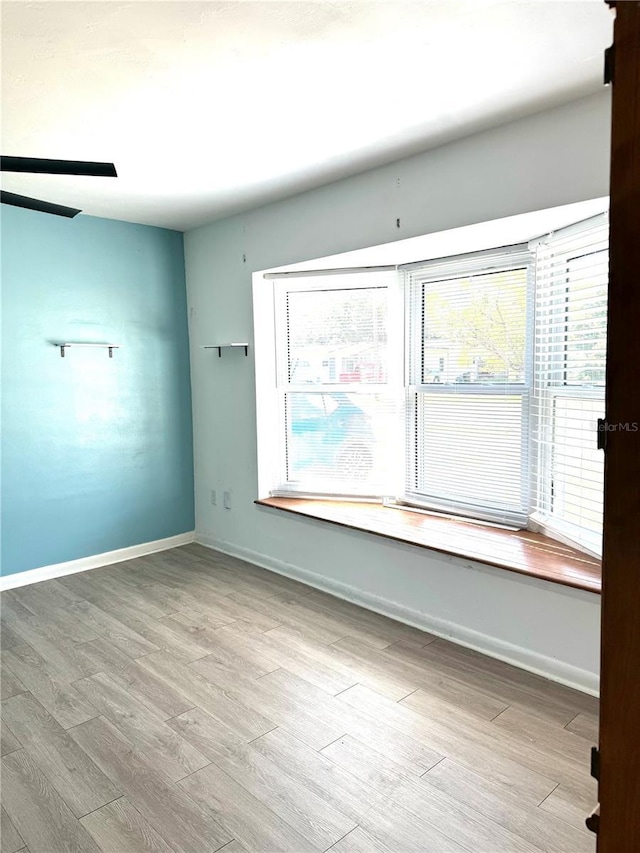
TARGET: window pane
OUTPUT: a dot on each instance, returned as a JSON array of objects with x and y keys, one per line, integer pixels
[
  {"x": 340, "y": 438},
  {"x": 470, "y": 449},
  {"x": 570, "y": 354},
  {"x": 474, "y": 329},
  {"x": 585, "y": 319},
  {"x": 577, "y": 466},
  {"x": 337, "y": 336}
]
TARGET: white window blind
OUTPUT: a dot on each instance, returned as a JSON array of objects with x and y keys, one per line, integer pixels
[
  {"x": 470, "y": 369},
  {"x": 338, "y": 358},
  {"x": 570, "y": 355}
]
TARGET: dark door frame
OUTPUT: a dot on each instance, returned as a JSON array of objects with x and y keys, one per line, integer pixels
[{"x": 619, "y": 824}]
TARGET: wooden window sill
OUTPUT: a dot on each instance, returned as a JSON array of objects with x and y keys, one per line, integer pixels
[{"x": 516, "y": 551}]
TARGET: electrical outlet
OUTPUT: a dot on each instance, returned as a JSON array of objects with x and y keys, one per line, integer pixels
[
  {"x": 227, "y": 500},
  {"x": 214, "y": 499}
]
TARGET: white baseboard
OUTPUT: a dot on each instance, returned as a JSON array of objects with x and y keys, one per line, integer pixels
[
  {"x": 58, "y": 570},
  {"x": 548, "y": 667}
]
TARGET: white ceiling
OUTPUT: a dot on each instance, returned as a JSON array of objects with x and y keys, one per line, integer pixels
[{"x": 210, "y": 108}]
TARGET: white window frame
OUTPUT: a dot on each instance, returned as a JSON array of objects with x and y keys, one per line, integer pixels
[
  {"x": 334, "y": 280},
  {"x": 418, "y": 275},
  {"x": 547, "y": 393},
  {"x": 548, "y": 523}
]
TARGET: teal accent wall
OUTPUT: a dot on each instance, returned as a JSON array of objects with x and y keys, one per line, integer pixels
[{"x": 97, "y": 453}]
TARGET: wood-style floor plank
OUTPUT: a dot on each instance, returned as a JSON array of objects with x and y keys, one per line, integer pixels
[
  {"x": 417, "y": 756},
  {"x": 457, "y": 820},
  {"x": 57, "y": 651},
  {"x": 174, "y": 815},
  {"x": 312, "y": 769},
  {"x": 136, "y": 679},
  {"x": 10, "y": 839},
  {"x": 40, "y": 599},
  {"x": 505, "y": 807},
  {"x": 287, "y": 612},
  {"x": 586, "y": 726},
  {"x": 286, "y": 711},
  {"x": 359, "y": 841},
  {"x": 185, "y": 641},
  {"x": 8, "y": 741},
  {"x": 10, "y": 684},
  {"x": 117, "y": 594},
  {"x": 310, "y": 613},
  {"x": 384, "y": 626},
  {"x": 189, "y": 701},
  {"x": 234, "y": 847},
  {"x": 515, "y": 747},
  {"x": 59, "y": 589},
  {"x": 401, "y": 831},
  {"x": 373, "y": 768},
  {"x": 223, "y": 608},
  {"x": 319, "y": 822},
  {"x": 117, "y": 589},
  {"x": 538, "y": 695},
  {"x": 234, "y": 656},
  {"x": 49, "y": 608},
  {"x": 171, "y": 568},
  {"x": 200, "y": 594},
  {"x": 169, "y": 753},
  {"x": 407, "y": 659},
  {"x": 275, "y": 651},
  {"x": 38, "y": 812},
  {"x": 316, "y": 664},
  {"x": 70, "y": 771},
  {"x": 244, "y": 816},
  {"x": 59, "y": 697},
  {"x": 221, "y": 704},
  {"x": 447, "y": 740},
  {"x": 120, "y": 828},
  {"x": 251, "y": 575},
  {"x": 569, "y": 808},
  {"x": 207, "y": 734},
  {"x": 116, "y": 632},
  {"x": 8, "y": 637},
  {"x": 550, "y": 738}
]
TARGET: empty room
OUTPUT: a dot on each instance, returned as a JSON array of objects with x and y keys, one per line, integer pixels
[{"x": 319, "y": 458}]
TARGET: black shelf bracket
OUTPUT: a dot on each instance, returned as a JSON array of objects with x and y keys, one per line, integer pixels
[{"x": 220, "y": 347}]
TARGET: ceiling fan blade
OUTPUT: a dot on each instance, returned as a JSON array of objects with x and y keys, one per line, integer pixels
[
  {"x": 37, "y": 165},
  {"x": 36, "y": 204}
]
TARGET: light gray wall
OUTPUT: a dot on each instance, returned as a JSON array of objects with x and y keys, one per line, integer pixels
[{"x": 553, "y": 158}]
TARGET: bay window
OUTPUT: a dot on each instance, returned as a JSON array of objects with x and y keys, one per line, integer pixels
[{"x": 467, "y": 385}]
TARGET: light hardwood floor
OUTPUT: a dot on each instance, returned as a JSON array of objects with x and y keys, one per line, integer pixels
[{"x": 189, "y": 701}]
